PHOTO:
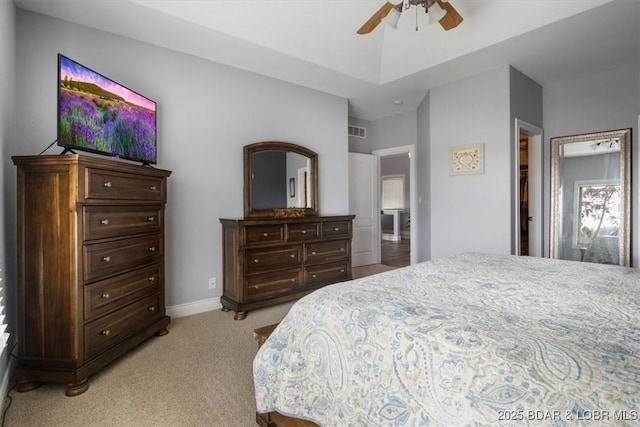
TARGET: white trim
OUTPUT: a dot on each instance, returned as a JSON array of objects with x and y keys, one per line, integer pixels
[
  {"x": 196, "y": 307},
  {"x": 413, "y": 212}
]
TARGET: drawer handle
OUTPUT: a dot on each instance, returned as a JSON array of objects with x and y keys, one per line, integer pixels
[
  {"x": 107, "y": 184},
  {"x": 292, "y": 256},
  {"x": 313, "y": 253},
  {"x": 152, "y": 308},
  {"x": 106, "y": 258},
  {"x": 106, "y": 295},
  {"x": 151, "y": 218},
  {"x": 341, "y": 249},
  {"x": 314, "y": 276},
  {"x": 336, "y": 229},
  {"x": 153, "y": 188},
  {"x": 256, "y": 260},
  {"x": 342, "y": 270},
  {"x": 256, "y": 286},
  {"x": 292, "y": 280},
  {"x": 265, "y": 234},
  {"x": 152, "y": 248},
  {"x": 106, "y": 332},
  {"x": 104, "y": 222},
  {"x": 152, "y": 278},
  {"x": 304, "y": 231}
]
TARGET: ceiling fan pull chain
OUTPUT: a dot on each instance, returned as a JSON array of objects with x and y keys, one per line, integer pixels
[{"x": 416, "y": 18}]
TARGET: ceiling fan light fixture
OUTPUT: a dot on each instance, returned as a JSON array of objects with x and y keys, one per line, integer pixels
[
  {"x": 436, "y": 13},
  {"x": 392, "y": 18}
]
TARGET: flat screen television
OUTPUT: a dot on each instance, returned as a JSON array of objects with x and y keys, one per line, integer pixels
[{"x": 98, "y": 115}]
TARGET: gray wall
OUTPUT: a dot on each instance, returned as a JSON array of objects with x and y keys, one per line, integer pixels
[
  {"x": 7, "y": 214},
  {"x": 599, "y": 100},
  {"x": 471, "y": 212},
  {"x": 394, "y": 131},
  {"x": 206, "y": 113},
  {"x": 360, "y": 145},
  {"x": 388, "y": 132},
  {"x": 525, "y": 103},
  {"x": 423, "y": 179}
]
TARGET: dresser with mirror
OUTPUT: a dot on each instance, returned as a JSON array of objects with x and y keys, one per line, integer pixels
[{"x": 282, "y": 249}]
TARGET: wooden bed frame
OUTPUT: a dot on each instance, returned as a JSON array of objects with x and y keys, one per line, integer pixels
[{"x": 275, "y": 419}]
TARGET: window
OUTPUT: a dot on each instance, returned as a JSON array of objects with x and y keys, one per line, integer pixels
[
  {"x": 597, "y": 211},
  {"x": 393, "y": 192}
]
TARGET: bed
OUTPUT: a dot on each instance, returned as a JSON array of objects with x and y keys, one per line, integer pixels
[{"x": 470, "y": 340}]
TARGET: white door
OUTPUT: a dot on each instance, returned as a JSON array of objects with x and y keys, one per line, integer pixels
[{"x": 363, "y": 203}]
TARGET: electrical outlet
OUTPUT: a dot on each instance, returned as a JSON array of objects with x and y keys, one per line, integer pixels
[{"x": 212, "y": 283}]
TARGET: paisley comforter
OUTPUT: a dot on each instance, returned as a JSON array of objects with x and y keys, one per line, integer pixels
[{"x": 471, "y": 340}]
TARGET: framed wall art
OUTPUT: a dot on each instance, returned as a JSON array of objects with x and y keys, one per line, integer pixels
[{"x": 467, "y": 160}]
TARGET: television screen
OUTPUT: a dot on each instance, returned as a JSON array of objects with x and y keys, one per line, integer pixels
[{"x": 99, "y": 115}]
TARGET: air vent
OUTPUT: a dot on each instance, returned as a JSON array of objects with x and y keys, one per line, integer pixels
[{"x": 358, "y": 132}]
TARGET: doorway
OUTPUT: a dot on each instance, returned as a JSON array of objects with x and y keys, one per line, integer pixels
[
  {"x": 397, "y": 218},
  {"x": 528, "y": 213}
]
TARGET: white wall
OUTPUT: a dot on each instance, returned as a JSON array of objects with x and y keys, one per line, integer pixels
[
  {"x": 7, "y": 215},
  {"x": 206, "y": 113},
  {"x": 599, "y": 100},
  {"x": 471, "y": 212}
]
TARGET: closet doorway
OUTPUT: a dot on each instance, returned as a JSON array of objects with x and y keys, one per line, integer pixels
[
  {"x": 397, "y": 205},
  {"x": 527, "y": 231}
]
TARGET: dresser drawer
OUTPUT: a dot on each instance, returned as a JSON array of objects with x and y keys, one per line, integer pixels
[
  {"x": 108, "y": 331},
  {"x": 112, "y": 221},
  {"x": 336, "y": 229},
  {"x": 257, "y": 234},
  {"x": 273, "y": 258},
  {"x": 108, "y": 185},
  {"x": 303, "y": 231},
  {"x": 108, "y": 295},
  {"x": 103, "y": 259},
  {"x": 326, "y": 273},
  {"x": 320, "y": 252},
  {"x": 269, "y": 285}
]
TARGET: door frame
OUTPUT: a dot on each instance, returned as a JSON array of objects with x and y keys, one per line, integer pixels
[
  {"x": 536, "y": 235},
  {"x": 413, "y": 232}
]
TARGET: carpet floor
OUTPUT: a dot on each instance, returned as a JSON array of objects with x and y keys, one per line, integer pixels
[{"x": 200, "y": 374}]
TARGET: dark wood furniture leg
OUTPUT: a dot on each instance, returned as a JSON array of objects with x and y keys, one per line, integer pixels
[{"x": 77, "y": 389}]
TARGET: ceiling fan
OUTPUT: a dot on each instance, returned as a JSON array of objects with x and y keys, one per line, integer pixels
[{"x": 440, "y": 11}]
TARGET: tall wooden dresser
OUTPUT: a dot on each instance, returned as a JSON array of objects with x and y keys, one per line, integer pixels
[
  {"x": 269, "y": 261},
  {"x": 90, "y": 265}
]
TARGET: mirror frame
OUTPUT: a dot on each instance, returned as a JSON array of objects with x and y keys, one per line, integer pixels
[
  {"x": 625, "y": 189},
  {"x": 249, "y": 211}
]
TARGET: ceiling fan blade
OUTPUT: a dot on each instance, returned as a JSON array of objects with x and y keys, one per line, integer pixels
[
  {"x": 375, "y": 19},
  {"x": 452, "y": 19}
]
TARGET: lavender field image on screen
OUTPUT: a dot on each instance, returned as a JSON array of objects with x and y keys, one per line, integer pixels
[{"x": 99, "y": 115}]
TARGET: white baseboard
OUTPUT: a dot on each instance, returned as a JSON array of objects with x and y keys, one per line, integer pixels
[{"x": 195, "y": 307}]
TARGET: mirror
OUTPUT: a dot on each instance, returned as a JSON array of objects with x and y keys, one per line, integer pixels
[
  {"x": 590, "y": 197},
  {"x": 279, "y": 175}
]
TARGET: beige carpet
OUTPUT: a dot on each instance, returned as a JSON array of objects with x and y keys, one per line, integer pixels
[{"x": 200, "y": 374}]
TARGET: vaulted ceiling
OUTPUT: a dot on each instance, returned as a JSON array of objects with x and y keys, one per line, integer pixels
[{"x": 313, "y": 43}]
